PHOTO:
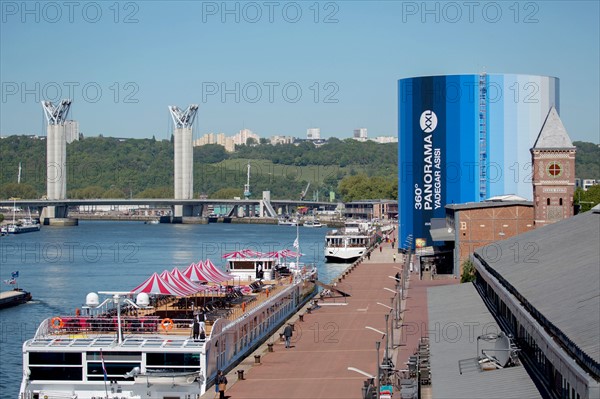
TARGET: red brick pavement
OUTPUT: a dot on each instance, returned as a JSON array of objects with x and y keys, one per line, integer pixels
[{"x": 333, "y": 338}]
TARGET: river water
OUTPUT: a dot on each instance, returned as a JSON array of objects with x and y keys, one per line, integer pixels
[{"x": 59, "y": 266}]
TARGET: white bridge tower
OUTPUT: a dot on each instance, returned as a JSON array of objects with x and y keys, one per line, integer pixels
[
  {"x": 56, "y": 155},
  {"x": 184, "y": 157}
]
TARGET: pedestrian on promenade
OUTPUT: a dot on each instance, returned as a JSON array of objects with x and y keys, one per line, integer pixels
[
  {"x": 398, "y": 277},
  {"x": 394, "y": 258},
  {"x": 221, "y": 384},
  {"x": 392, "y": 244},
  {"x": 380, "y": 248},
  {"x": 369, "y": 255},
  {"x": 287, "y": 334},
  {"x": 195, "y": 328}
]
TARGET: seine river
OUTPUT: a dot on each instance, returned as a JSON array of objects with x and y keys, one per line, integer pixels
[{"x": 59, "y": 266}]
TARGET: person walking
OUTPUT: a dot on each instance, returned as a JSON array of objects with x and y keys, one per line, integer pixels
[
  {"x": 380, "y": 248},
  {"x": 394, "y": 258},
  {"x": 287, "y": 334},
  {"x": 221, "y": 384},
  {"x": 196, "y": 328}
]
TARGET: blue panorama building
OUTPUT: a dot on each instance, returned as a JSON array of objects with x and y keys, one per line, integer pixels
[{"x": 466, "y": 138}]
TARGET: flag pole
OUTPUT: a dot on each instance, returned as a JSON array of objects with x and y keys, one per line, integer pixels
[
  {"x": 104, "y": 372},
  {"x": 297, "y": 245}
]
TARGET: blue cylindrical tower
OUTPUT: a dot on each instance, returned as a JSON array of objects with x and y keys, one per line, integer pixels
[{"x": 465, "y": 138}]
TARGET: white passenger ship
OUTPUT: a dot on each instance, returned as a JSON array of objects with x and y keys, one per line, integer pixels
[
  {"x": 350, "y": 242},
  {"x": 134, "y": 351}
]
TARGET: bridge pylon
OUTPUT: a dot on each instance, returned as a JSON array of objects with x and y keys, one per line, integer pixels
[
  {"x": 183, "y": 160},
  {"x": 56, "y": 157}
]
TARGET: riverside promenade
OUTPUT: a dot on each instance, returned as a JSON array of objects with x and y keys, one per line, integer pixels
[{"x": 335, "y": 336}]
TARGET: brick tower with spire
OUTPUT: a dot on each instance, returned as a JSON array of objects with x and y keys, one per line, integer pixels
[{"x": 553, "y": 160}]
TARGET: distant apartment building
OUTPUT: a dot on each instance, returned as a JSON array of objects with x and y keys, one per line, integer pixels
[
  {"x": 282, "y": 140},
  {"x": 313, "y": 133},
  {"x": 71, "y": 131},
  {"x": 241, "y": 138},
  {"x": 371, "y": 209},
  {"x": 360, "y": 134},
  {"x": 219, "y": 139},
  {"x": 585, "y": 183},
  {"x": 386, "y": 139}
]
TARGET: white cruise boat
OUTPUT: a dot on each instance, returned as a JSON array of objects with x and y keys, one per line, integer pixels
[
  {"x": 24, "y": 226},
  {"x": 313, "y": 223},
  {"x": 136, "y": 351},
  {"x": 350, "y": 242},
  {"x": 287, "y": 222}
]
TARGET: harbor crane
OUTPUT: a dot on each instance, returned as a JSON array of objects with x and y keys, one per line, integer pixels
[{"x": 303, "y": 194}]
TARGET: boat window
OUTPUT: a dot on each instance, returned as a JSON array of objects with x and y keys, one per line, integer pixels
[
  {"x": 115, "y": 371},
  {"x": 173, "y": 359},
  {"x": 56, "y": 373},
  {"x": 54, "y": 358},
  {"x": 118, "y": 356},
  {"x": 239, "y": 265}
]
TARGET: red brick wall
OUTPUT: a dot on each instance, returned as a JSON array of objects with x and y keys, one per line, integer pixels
[
  {"x": 551, "y": 186},
  {"x": 480, "y": 227}
]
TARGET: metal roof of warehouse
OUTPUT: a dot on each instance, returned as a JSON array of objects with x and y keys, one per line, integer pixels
[
  {"x": 556, "y": 268},
  {"x": 453, "y": 331}
]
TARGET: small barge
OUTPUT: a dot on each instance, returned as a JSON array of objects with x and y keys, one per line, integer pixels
[{"x": 14, "y": 297}]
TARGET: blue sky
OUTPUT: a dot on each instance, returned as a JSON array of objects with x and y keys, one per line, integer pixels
[{"x": 280, "y": 67}]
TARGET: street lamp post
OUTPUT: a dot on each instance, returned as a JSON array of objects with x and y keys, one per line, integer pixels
[
  {"x": 387, "y": 340},
  {"x": 377, "y": 344}
]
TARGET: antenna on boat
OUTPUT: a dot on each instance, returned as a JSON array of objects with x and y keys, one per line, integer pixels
[{"x": 19, "y": 175}]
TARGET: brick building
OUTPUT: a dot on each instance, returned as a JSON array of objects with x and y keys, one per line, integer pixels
[
  {"x": 474, "y": 225},
  {"x": 553, "y": 157},
  {"x": 479, "y": 224}
]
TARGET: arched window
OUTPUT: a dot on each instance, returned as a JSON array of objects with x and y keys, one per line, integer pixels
[
  {"x": 547, "y": 201},
  {"x": 560, "y": 202}
]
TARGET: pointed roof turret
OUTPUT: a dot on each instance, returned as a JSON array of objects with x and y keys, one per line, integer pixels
[{"x": 553, "y": 134}]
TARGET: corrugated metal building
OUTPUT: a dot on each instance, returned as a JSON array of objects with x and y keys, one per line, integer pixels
[
  {"x": 453, "y": 344},
  {"x": 544, "y": 285}
]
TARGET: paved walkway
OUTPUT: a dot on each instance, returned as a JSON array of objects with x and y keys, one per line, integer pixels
[{"x": 333, "y": 337}]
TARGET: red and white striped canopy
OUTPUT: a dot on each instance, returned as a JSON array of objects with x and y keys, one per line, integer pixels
[
  {"x": 243, "y": 254},
  {"x": 156, "y": 285},
  {"x": 168, "y": 277},
  {"x": 194, "y": 272},
  {"x": 285, "y": 253},
  {"x": 215, "y": 272},
  {"x": 197, "y": 286}
]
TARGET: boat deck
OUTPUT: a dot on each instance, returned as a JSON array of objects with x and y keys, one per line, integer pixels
[{"x": 161, "y": 326}]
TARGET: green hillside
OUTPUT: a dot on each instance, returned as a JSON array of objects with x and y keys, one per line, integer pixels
[{"x": 110, "y": 168}]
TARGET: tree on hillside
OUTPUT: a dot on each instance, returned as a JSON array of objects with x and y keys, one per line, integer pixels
[
  {"x": 157, "y": 192},
  {"x": 587, "y": 199},
  {"x": 362, "y": 187},
  {"x": 16, "y": 190},
  {"x": 89, "y": 192},
  {"x": 227, "y": 193},
  {"x": 114, "y": 192}
]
